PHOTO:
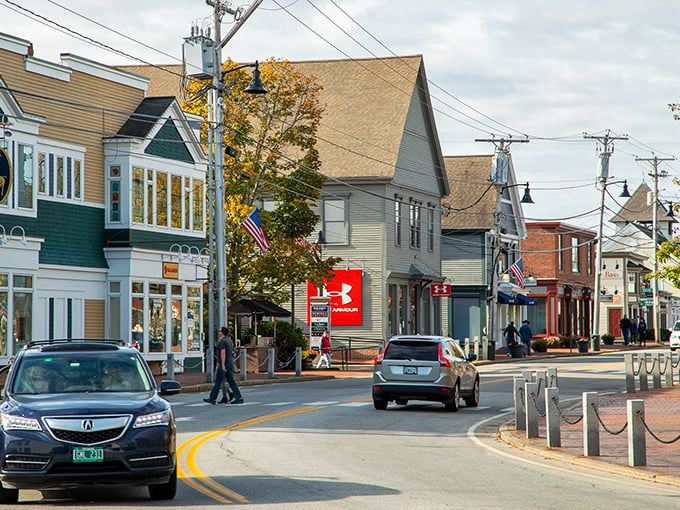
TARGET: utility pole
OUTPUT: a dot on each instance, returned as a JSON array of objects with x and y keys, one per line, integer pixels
[
  {"x": 655, "y": 217},
  {"x": 215, "y": 102},
  {"x": 499, "y": 178},
  {"x": 604, "y": 155}
]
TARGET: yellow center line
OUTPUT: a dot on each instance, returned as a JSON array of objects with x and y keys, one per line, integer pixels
[{"x": 202, "y": 482}]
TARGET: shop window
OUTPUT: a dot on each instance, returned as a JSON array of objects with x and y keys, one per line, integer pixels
[
  {"x": 138, "y": 314},
  {"x": 198, "y": 206},
  {"x": 414, "y": 219},
  {"x": 334, "y": 221},
  {"x": 194, "y": 319},
  {"x": 161, "y": 199},
  {"x": 24, "y": 177}
]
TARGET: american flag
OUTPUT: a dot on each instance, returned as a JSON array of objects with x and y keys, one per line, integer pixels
[
  {"x": 518, "y": 271},
  {"x": 254, "y": 227}
]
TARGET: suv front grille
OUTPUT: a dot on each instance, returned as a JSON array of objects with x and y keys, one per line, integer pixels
[
  {"x": 24, "y": 463},
  {"x": 101, "y": 436}
]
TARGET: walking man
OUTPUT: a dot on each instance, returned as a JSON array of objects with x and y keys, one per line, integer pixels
[
  {"x": 624, "y": 324},
  {"x": 525, "y": 334},
  {"x": 325, "y": 348},
  {"x": 225, "y": 368},
  {"x": 510, "y": 333}
]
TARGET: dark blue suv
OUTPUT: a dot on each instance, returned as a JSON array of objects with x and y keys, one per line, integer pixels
[{"x": 82, "y": 412}]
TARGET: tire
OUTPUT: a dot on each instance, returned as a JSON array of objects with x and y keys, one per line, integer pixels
[
  {"x": 164, "y": 490},
  {"x": 453, "y": 404},
  {"x": 8, "y": 496},
  {"x": 473, "y": 400},
  {"x": 380, "y": 403},
  {"x": 401, "y": 401}
]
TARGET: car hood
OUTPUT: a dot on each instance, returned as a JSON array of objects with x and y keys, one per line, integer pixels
[{"x": 65, "y": 404}]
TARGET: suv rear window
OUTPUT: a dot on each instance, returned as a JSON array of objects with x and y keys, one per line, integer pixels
[
  {"x": 676, "y": 326},
  {"x": 412, "y": 350}
]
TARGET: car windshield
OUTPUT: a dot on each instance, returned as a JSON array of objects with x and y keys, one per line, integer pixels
[
  {"x": 676, "y": 326},
  {"x": 77, "y": 372},
  {"x": 412, "y": 350}
]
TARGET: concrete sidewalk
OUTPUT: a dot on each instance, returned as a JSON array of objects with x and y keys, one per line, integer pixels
[{"x": 662, "y": 415}]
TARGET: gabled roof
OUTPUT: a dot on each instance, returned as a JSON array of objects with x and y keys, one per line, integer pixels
[
  {"x": 145, "y": 117},
  {"x": 472, "y": 198},
  {"x": 636, "y": 208},
  {"x": 366, "y": 103}
]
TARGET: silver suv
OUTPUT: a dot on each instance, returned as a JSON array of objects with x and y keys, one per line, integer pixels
[{"x": 416, "y": 367}]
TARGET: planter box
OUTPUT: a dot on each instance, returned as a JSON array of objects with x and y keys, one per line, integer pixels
[
  {"x": 582, "y": 346},
  {"x": 517, "y": 350}
]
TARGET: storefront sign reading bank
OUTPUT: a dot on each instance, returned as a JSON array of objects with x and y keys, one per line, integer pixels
[{"x": 344, "y": 292}]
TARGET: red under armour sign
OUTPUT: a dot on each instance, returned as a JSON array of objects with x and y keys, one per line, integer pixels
[
  {"x": 440, "y": 290},
  {"x": 344, "y": 292}
]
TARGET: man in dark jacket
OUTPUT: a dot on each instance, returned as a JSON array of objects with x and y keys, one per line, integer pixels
[
  {"x": 510, "y": 333},
  {"x": 525, "y": 334},
  {"x": 225, "y": 368}
]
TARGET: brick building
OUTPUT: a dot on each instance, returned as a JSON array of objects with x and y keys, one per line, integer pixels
[{"x": 560, "y": 261}]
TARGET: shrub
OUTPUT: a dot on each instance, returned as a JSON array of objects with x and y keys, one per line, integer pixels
[
  {"x": 567, "y": 343},
  {"x": 540, "y": 345},
  {"x": 287, "y": 337},
  {"x": 607, "y": 339},
  {"x": 552, "y": 342}
]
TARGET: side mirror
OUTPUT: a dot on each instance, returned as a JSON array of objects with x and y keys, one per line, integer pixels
[
  {"x": 472, "y": 357},
  {"x": 170, "y": 387}
]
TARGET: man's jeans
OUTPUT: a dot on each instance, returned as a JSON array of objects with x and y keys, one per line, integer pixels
[{"x": 219, "y": 378}]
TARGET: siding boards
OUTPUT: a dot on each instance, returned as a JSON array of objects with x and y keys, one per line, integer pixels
[{"x": 94, "y": 318}]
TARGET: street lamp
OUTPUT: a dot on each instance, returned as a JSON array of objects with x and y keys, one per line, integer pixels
[
  {"x": 595, "y": 333},
  {"x": 217, "y": 136}
]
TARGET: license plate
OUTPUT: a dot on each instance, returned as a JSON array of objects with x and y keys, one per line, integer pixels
[
  {"x": 88, "y": 454},
  {"x": 410, "y": 370}
]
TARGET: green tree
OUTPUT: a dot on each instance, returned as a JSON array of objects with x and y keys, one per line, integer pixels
[{"x": 274, "y": 136}]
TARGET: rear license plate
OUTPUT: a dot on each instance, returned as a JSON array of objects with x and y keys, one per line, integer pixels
[
  {"x": 410, "y": 370},
  {"x": 88, "y": 454}
]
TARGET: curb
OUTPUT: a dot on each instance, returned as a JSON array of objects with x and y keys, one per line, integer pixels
[
  {"x": 202, "y": 387},
  {"x": 505, "y": 435}
]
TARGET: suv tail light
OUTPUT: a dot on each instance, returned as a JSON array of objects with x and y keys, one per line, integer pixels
[{"x": 443, "y": 362}]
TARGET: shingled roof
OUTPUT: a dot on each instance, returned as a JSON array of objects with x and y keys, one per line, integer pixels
[
  {"x": 366, "y": 103},
  {"x": 145, "y": 117},
  {"x": 636, "y": 208},
  {"x": 472, "y": 200}
]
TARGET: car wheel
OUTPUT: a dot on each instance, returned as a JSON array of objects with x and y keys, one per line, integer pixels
[
  {"x": 473, "y": 400},
  {"x": 380, "y": 403},
  {"x": 164, "y": 490},
  {"x": 401, "y": 401},
  {"x": 452, "y": 405},
  {"x": 8, "y": 496}
]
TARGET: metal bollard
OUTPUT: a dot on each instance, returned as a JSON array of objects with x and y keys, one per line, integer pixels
[
  {"x": 591, "y": 426},
  {"x": 644, "y": 383},
  {"x": 668, "y": 371},
  {"x": 656, "y": 371},
  {"x": 476, "y": 344},
  {"x": 271, "y": 359},
  {"x": 466, "y": 347},
  {"x": 637, "y": 447},
  {"x": 171, "y": 366},
  {"x": 244, "y": 363},
  {"x": 552, "y": 418},
  {"x": 518, "y": 393},
  {"x": 552, "y": 378},
  {"x": 541, "y": 379},
  {"x": 530, "y": 396},
  {"x": 298, "y": 361},
  {"x": 528, "y": 375},
  {"x": 630, "y": 373},
  {"x": 485, "y": 348}
]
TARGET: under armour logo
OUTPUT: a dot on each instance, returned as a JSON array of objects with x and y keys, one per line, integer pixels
[{"x": 344, "y": 293}]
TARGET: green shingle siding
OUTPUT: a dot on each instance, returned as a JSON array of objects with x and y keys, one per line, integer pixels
[
  {"x": 168, "y": 144},
  {"x": 125, "y": 238}
]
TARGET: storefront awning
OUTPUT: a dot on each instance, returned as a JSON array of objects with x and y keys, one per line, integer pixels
[
  {"x": 525, "y": 300},
  {"x": 260, "y": 307},
  {"x": 506, "y": 299}
]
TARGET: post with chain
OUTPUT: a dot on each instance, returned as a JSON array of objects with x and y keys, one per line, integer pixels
[
  {"x": 298, "y": 361},
  {"x": 530, "y": 396},
  {"x": 552, "y": 378},
  {"x": 668, "y": 370},
  {"x": 244, "y": 363},
  {"x": 528, "y": 375},
  {"x": 644, "y": 384},
  {"x": 540, "y": 380},
  {"x": 630, "y": 373},
  {"x": 656, "y": 371},
  {"x": 518, "y": 392},
  {"x": 591, "y": 426},
  {"x": 637, "y": 447},
  {"x": 552, "y": 418},
  {"x": 271, "y": 359}
]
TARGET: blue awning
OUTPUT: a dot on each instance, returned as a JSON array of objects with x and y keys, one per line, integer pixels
[
  {"x": 506, "y": 299},
  {"x": 525, "y": 300}
]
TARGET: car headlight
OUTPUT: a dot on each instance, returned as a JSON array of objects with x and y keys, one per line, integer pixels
[
  {"x": 11, "y": 422},
  {"x": 152, "y": 420}
]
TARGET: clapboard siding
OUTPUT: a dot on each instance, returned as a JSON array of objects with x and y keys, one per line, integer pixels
[{"x": 115, "y": 102}]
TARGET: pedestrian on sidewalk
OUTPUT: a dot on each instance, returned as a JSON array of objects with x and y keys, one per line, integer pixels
[
  {"x": 325, "y": 348},
  {"x": 624, "y": 324},
  {"x": 642, "y": 332},
  {"x": 225, "y": 369},
  {"x": 525, "y": 334},
  {"x": 510, "y": 333},
  {"x": 634, "y": 330}
]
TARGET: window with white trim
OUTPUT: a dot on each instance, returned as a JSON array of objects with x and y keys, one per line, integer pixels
[
  {"x": 414, "y": 210},
  {"x": 334, "y": 220},
  {"x": 397, "y": 220}
]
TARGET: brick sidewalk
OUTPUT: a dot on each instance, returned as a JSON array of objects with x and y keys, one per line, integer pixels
[{"x": 662, "y": 416}]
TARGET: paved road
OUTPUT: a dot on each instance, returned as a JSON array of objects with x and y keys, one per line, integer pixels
[{"x": 320, "y": 444}]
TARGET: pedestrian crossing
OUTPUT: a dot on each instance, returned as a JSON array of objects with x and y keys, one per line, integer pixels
[{"x": 317, "y": 403}]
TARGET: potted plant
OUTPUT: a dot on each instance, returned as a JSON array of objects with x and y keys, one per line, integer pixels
[
  {"x": 540, "y": 345},
  {"x": 582, "y": 344},
  {"x": 608, "y": 339},
  {"x": 517, "y": 350},
  {"x": 308, "y": 357}
]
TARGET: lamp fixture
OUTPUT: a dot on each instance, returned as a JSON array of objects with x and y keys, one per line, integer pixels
[
  {"x": 256, "y": 86},
  {"x": 670, "y": 214},
  {"x": 526, "y": 199},
  {"x": 625, "y": 193}
]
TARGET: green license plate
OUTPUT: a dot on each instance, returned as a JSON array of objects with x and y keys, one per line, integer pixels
[{"x": 88, "y": 454}]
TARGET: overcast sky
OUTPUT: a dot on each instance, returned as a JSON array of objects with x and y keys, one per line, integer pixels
[{"x": 503, "y": 67}]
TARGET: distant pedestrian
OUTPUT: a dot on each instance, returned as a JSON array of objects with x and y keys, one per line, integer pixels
[
  {"x": 526, "y": 334},
  {"x": 225, "y": 369},
  {"x": 510, "y": 334},
  {"x": 642, "y": 332},
  {"x": 624, "y": 324},
  {"x": 325, "y": 348},
  {"x": 633, "y": 330}
]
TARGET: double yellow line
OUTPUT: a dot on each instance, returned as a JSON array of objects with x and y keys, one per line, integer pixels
[{"x": 195, "y": 478}]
